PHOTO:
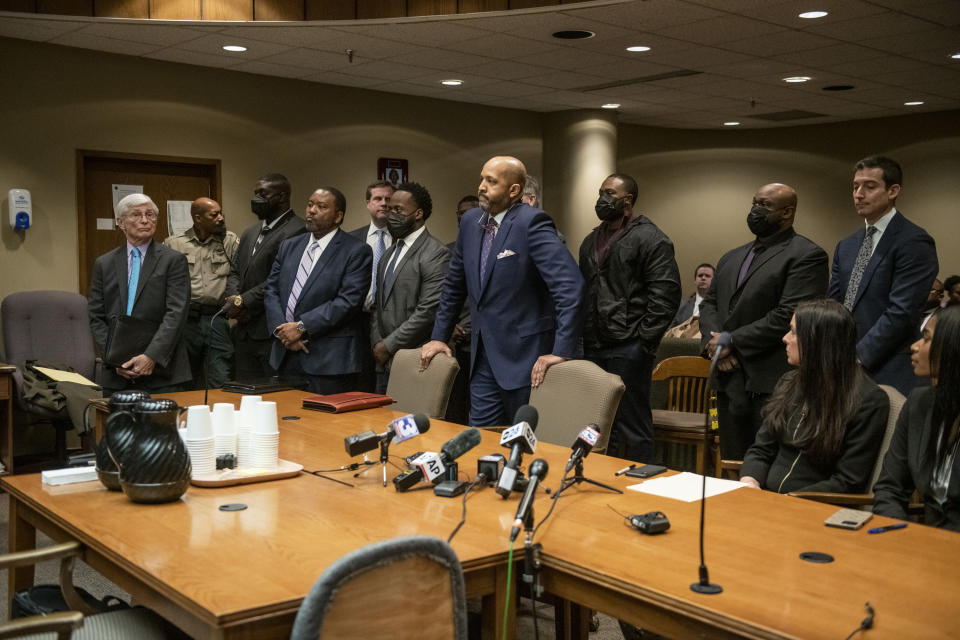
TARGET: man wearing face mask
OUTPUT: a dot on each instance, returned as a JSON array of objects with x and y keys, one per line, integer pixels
[
  {"x": 632, "y": 292},
  {"x": 252, "y": 339},
  {"x": 409, "y": 280},
  {"x": 752, "y": 296},
  {"x": 210, "y": 250}
]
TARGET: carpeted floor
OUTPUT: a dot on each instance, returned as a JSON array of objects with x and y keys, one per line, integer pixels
[{"x": 99, "y": 586}]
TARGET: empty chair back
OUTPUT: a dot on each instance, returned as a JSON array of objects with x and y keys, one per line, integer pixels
[
  {"x": 576, "y": 393},
  {"x": 48, "y": 326},
  {"x": 896, "y": 404},
  {"x": 404, "y": 586},
  {"x": 416, "y": 391},
  {"x": 687, "y": 382}
]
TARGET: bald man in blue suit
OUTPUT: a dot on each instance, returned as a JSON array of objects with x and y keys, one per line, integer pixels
[{"x": 525, "y": 293}]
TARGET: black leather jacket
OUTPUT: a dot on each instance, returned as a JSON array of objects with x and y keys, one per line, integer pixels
[{"x": 635, "y": 293}]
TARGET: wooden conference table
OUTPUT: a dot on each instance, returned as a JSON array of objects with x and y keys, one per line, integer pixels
[{"x": 243, "y": 574}]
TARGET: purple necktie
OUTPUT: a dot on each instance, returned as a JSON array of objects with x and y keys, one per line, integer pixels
[
  {"x": 306, "y": 264},
  {"x": 489, "y": 232},
  {"x": 746, "y": 264}
]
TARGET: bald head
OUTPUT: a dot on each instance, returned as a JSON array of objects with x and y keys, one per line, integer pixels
[
  {"x": 501, "y": 183},
  {"x": 774, "y": 208},
  {"x": 207, "y": 218}
]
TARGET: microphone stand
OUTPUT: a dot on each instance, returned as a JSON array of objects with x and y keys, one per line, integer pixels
[
  {"x": 384, "y": 457},
  {"x": 704, "y": 585},
  {"x": 578, "y": 477}
]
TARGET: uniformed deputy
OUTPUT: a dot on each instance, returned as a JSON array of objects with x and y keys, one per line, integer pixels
[{"x": 210, "y": 250}]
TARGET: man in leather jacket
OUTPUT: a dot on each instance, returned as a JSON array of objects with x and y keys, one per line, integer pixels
[{"x": 632, "y": 293}]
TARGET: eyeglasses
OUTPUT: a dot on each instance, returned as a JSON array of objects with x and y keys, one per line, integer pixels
[{"x": 142, "y": 215}]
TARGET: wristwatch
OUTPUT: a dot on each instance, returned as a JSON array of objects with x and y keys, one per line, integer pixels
[
  {"x": 237, "y": 301},
  {"x": 301, "y": 328}
]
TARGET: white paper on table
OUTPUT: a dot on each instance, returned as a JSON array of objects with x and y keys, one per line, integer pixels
[
  {"x": 685, "y": 486},
  {"x": 121, "y": 191},
  {"x": 178, "y": 216}
]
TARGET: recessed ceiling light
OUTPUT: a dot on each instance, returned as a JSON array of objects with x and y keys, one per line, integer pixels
[
  {"x": 955, "y": 56},
  {"x": 611, "y": 105},
  {"x": 638, "y": 48},
  {"x": 732, "y": 123},
  {"x": 234, "y": 47},
  {"x": 793, "y": 79},
  {"x": 574, "y": 34},
  {"x": 913, "y": 103},
  {"x": 451, "y": 82},
  {"x": 813, "y": 15}
]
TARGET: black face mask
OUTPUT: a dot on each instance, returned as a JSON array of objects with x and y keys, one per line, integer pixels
[
  {"x": 261, "y": 208},
  {"x": 609, "y": 208},
  {"x": 400, "y": 225},
  {"x": 759, "y": 223}
]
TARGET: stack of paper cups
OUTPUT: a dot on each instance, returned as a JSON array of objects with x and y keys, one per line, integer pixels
[
  {"x": 224, "y": 429},
  {"x": 199, "y": 440},
  {"x": 264, "y": 437},
  {"x": 245, "y": 421}
]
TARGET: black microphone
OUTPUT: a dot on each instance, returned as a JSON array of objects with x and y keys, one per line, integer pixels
[
  {"x": 703, "y": 585},
  {"x": 450, "y": 451},
  {"x": 519, "y": 439},
  {"x": 537, "y": 473},
  {"x": 403, "y": 428},
  {"x": 722, "y": 343},
  {"x": 586, "y": 441}
]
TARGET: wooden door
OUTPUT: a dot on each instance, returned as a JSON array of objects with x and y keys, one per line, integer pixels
[{"x": 162, "y": 178}]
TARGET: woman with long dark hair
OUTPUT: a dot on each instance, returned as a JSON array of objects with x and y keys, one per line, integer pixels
[
  {"x": 824, "y": 422},
  {"x": 923, "y": 453}
]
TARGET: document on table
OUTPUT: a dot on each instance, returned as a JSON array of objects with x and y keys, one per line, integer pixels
[{"x": 685, "y": 486}]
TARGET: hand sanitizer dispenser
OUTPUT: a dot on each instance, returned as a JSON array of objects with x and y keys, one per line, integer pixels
[{"x": 21, "y": 209}]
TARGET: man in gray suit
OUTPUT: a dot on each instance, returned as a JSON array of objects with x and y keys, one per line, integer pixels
[
  {"x": 259, "y": 243},
  {"x": 147, "y": 281},
  {"x": 409, "y": 280}
]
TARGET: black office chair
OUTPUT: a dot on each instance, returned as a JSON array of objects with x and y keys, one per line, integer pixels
[{"x": 49, "y": 327}]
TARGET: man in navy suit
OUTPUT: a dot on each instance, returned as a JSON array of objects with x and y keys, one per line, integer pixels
[
  {"x": 313, "y": 298},
  {"x": 882, "y": 274},
  {"x": 525, "y": 293}
]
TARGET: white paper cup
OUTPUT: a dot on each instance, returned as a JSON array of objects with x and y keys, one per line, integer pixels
[
  {"x": 222, "y": 419},
  {"x": 203, "y": 458},
  {"x": 265, "y": 418},
  {"x": 199, "y": 425}
]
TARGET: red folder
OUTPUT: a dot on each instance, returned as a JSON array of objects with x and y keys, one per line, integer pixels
[{"x": 343, "y": 402}]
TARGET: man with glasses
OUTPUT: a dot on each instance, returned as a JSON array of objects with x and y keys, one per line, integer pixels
[
  {"x": 147, "y": 281},
  {"x": 752, "y": 296},
  {"x": 210, "y": 250}
]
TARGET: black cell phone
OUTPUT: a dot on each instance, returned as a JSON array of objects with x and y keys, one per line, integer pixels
[{"x": 646, "y": 471}]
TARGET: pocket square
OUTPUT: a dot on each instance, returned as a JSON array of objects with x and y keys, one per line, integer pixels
[{"x": 506, "y": 253}]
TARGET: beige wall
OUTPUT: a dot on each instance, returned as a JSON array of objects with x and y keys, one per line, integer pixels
[
  {"x": 316, "y": 134},
  {"x": 697, "y": 185}
]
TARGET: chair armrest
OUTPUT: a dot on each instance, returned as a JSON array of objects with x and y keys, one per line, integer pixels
[
  {"x": 33, "y": 556},
  {"x": 839, "y": 499},
  {"x": 63, "y": 624},
  {"x": 729, "y": 465}
]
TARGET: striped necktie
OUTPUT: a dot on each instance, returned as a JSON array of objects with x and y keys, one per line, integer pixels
[
  {"x": 134, "y": 278},
  {"x": 378, "y": 252},
  {"x": 306, "y": 265}
]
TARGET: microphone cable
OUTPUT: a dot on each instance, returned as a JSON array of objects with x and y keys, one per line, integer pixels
[
  {"x": 866, "y": 623},
  {"x": 478, "y": 481},
  {"x": 553, "y": 504}
]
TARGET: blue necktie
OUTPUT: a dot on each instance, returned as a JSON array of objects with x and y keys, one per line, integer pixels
[
  {"x": 377, "y": 254},
  {"x": 134, "y": 277}
]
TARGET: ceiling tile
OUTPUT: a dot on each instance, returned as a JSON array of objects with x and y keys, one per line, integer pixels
[
  {"x": 625, "y": 69},
  {"x": 269, "y": 69},
  {"x": 470, "y": 82},
  {"x": 433, "y": 32},
  {"x": 439, "y": 59},
  {"x": 343, "y": 79},
  {"x": 881, "y": 24},
  {"x": 511, "y": 89},
  {"x": 756, "y": 67},
  {"x": 701, "y": 58},
  {"x": 563, "y": 80},
  {"x": 826, "y": 56},
  {"x": 718, "y": 30},
  {"x": 647, "y": 16},
  {"x": 783, "y": 42},
  {"x": 513, "y": 71},
  {"x": 214, "y": 44},
  {"x": 325, "y": 39},
  {"x": 109, "y": 45},
  {"x": 164, "y": 34},
  {"x": 542, "y": 26},
  {"x": 618, "y": 45},
  {"x": 945, "y": 12},
  {"x": 41, "y": 30},
  {"x": 867, "y": 68},
  {"x": 195, "y": 58},
  {"x": 309, "y": 59},
  {"x": 388, "y": 70},
  {"x": 948, "y": 39},
  {"x": 566, "y": 58},
  {"x": 499, "y": 45},
  {"x": 787, "y": 13}
]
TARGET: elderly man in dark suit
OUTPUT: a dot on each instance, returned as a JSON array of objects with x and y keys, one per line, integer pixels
[
  {"x": 248, "y": 274},
  {"x": 753, "y": 294},
  {"x": 313, "y": 298},
  {"x": 147, "y": 281},
  {"x": 525, "y": 293},
  {"x": 409, "y": 280},
  {"x": 882, "y": 273}
]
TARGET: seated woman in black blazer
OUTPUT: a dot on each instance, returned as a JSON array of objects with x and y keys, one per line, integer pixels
[
  {"x": 824, "y": 422},
  {"x": 923, "y": 453}
]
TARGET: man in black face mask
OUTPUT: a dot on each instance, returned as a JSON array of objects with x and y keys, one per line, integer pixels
[
  {"x": 632, "y": 293},
  {"x": 258, "y": 247},
  {"x": 409, "y": 280},
  {"x": 752, "y": 296}
]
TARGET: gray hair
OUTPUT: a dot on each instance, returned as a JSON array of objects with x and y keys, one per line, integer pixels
[
  {"x": 532, "y": 188},
  {"x": 134, "y": 200}
]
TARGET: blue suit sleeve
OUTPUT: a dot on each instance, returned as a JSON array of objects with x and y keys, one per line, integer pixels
[
  {"x": 453, "y": 295},
  {"x": 564, "y": 282},
  {"x": 350, "y": 294}
]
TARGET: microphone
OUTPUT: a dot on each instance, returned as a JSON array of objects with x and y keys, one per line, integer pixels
[
  {"x": 722, "y": 342},
  {"x": 519, "y": 439},
  {"x": 703, "y": 585},
  {"x": 585, "y": 442},
  {"x": 403, "y": 428},
  {"x": 435, "y": 465},
  {"x": 538, "y": 473}
]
